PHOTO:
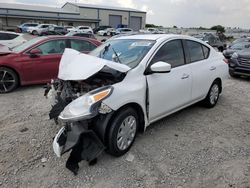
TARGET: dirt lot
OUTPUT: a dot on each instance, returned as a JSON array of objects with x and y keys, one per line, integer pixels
[{"x": 196, "y": 147}]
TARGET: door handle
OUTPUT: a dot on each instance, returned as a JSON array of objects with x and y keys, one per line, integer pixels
[
  {"x": 212, "y": 68},
  {"x": 185, "y": 76}
]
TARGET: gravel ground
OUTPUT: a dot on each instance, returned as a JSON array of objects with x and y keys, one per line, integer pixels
[{"x": 196, "y": 147}]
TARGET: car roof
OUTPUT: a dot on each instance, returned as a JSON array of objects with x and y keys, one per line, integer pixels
[
  {"x": 151, "y": 36},
  {"x": 9, "y": 32}
]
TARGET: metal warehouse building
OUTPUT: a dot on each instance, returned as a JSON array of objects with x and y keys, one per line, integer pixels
[{"x": 74, "y": 14}]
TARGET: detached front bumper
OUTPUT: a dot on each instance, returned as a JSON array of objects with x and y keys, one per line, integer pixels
[
  {"x": 75, "y": 134},
  {"x": 83, "y": 142}
]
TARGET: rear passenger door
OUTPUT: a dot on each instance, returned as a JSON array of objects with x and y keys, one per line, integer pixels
[
  {"x": 202, "y": 69},
  {"x": 169, "y": 91}
]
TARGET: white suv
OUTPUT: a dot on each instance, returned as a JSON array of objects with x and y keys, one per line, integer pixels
[
  {"x": 38, "y": 30},
  {"x": 120, "y": 88},
  {"x": 83, "y": 29}
]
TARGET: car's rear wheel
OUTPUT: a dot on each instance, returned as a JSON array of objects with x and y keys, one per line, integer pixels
[
  {"x": 213, "y": 95},
  {"x": 122, "y": 132},
  {"x": 8, "y": 80}
]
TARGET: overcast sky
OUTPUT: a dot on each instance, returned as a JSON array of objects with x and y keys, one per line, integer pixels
[{"x": 182, "y": 13}]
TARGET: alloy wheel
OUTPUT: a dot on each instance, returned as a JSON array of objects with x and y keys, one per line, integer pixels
[{"x": 7, "y": 81}]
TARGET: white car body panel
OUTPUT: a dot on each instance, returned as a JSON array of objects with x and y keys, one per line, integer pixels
[{"x": 168, "y": 92}]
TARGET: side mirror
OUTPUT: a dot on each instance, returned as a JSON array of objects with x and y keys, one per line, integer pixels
[
  {"x": 160, "y": 67},
  {"x": 35, "y": 52}
]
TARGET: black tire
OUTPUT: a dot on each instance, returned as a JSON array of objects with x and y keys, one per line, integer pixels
[
  {"x": 34, "y": 33},
  {"x": 8, "y": 80},
  {"x": 221, "y": 49},
  {"x": 208, "y": 102},
  {"x": 105, "y": 34},
  {"x": 116, "y": 125}
]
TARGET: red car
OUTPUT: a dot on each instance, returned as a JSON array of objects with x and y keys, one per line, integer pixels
[{"x": 37, "y": 60}]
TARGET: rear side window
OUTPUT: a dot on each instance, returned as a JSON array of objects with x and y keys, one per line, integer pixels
[
  {"x": 195, "y": 51},
  {"x": 172, "y": 53},
  {"x": 12, "y": 36},
  {"x": 4, "y": 36},
  {"x": 81, "y": 45},
  {"x": 205, "y": 51}
]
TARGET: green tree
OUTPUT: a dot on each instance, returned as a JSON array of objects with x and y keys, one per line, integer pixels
[{"x": 218, "y": 28}]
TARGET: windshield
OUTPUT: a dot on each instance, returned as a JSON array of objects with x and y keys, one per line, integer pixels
[
  {"x": 125, "y": 51},
  {"x": 27, "y": 44}
]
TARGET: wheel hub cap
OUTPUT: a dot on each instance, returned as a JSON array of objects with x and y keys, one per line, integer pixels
[{"x": 126, "y": 133}]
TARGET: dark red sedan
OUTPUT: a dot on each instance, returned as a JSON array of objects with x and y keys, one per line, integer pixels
[{"x": 37, "y": 60}]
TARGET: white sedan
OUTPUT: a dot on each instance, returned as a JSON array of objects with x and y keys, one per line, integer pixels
[
  {"x": 11, "y": 39},
  {"x": 131, "y": 82}
]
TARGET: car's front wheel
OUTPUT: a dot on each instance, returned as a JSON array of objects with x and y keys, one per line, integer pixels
[
  {"x": 8, "y": 80},
  {"x": 34, "y": 33},
  {"x": 122, "y": 132},
  {"x": 213, "y": 95}
]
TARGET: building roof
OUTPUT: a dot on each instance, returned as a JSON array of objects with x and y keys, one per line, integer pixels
[
  {"x": 19, "y": 6},
  {"x": 82, "y": 5}
]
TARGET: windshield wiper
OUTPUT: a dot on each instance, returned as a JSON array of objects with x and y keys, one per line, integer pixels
[
  {"x": 101, "y": 55},
  {"x": 119, "y": 61}
]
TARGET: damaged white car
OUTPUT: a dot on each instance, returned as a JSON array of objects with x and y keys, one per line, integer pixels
[{"x": 105, "y": 98}]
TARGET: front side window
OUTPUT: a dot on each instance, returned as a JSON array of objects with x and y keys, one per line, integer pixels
[
  {"x": 172, "y": 53},
  {"x": 81, "y": 45},
  {"x": 195, "y": 51},
  {"x": 53, "y": 47}
]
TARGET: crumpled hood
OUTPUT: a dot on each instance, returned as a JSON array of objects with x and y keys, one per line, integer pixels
[{"x": 75, "y": 65}]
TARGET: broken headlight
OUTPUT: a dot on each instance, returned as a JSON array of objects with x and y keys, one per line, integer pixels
[{"x": 86, "y": 106}]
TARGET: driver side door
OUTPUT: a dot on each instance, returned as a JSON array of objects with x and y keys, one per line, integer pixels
[
  {"x": 169, "y": 92},
  {"x": 43, "y": 67}
]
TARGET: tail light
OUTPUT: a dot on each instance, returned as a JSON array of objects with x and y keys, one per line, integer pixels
[{"x": 226, "y": 61}]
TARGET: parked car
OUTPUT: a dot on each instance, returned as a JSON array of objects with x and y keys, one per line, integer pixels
[
  {"x": 37, "y": 60},
  {"x": 23, "y": 27},
  {"x": 69, "y": 28},
  {"x": 152, "y": 31},
  {"x": 38, "y": 30},
  {"x": 87, "y": 35},
  {"x": 129, "y": 83},
  {"x": 121, "y": 31},
  {"x": 239, "y": 64},
  {"x": 55, "y": 30},
  {"x": 103, "y": 27},
  {"x": 11, "y": 39},
  {"x": 214, "y": 41},
  {"x": 236, "y": 47},
  {"x": 106, "y": 32},
  {"x": 83, "y": 29}
]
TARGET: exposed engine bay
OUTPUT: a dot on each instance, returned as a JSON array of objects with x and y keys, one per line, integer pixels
[{"x": 63, "y": 92}]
